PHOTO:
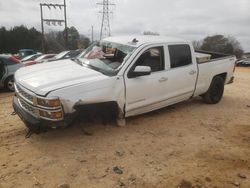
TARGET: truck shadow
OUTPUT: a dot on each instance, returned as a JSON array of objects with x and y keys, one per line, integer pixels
[{"x": 89, "y": 127}]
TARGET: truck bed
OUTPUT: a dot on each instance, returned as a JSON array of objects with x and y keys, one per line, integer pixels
[{"x": 213, "y": 56}]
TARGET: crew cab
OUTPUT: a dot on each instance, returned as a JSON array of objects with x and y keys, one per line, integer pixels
[{"x": 125, "y": 76}]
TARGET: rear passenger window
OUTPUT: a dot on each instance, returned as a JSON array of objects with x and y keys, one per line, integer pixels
[{"x": 180, "y": 55}]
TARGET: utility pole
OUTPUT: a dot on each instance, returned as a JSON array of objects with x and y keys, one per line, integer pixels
[
  {"x": 105, "y": 26},
  {"x": 43, "y": 45},
  {"x": 54, "y": 21},
  {"x": 92, "y": 34},
  {"x": 66, "y": 28}
]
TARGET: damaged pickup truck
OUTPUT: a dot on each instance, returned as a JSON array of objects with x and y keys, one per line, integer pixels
[{"x": 123, "y": 76}]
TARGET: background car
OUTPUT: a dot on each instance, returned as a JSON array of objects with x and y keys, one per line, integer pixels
[
  {"x": 8, "y": 66},
  {"x": 66, "y": 55},
  {"x": 40, "y": 59},
  {"x": 243, "y": 63},
  {"x": 31, "y": 57},
  {"x": 25, "y": 52}
]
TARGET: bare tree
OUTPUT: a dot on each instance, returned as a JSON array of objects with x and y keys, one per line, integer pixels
[{"x": 197, "y": 44}]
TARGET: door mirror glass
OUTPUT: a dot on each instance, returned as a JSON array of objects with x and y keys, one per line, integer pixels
[{"x": 140, "y": 71}]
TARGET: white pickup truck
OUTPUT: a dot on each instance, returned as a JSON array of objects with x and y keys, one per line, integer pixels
[{"x": 125, "y": 76}]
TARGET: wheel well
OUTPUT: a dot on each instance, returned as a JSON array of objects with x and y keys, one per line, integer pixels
[
  {"x": 222, "y": 75},
  {"x": 104, "y": 110},
  {"x": 6, "y": 79}
]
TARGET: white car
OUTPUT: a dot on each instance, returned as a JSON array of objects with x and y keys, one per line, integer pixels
[
  {"x": 243, "y": 63},
  {"x": 124, "y": 76}
]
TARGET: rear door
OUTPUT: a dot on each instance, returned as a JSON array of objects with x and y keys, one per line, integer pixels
[{"x": 182, "y": 73}]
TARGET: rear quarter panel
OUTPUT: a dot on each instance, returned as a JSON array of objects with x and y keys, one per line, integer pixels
[{"x": 208, "y": 70}]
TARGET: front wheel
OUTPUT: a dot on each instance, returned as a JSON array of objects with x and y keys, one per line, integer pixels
[
  {"x": 215, "y": 91},
  {"x": 9, "y": 84}
]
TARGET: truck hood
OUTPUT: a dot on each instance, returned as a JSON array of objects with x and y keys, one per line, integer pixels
[{"x": 44, "y": 78}]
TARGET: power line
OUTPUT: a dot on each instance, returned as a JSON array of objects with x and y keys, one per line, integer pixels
[
  {"x": 54, "y": 21},
  {"x": 105, "y": 25}
]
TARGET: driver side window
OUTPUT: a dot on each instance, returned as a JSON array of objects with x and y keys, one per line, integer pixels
[{"x": 153, "y": 58}]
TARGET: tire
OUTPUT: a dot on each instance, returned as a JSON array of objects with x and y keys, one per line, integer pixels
[
  {"x": 215, "y": 91},
  {"x": 9, "y": 83}
]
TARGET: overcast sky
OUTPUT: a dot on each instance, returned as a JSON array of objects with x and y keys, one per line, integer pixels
[{"x": 187, "y": 19}]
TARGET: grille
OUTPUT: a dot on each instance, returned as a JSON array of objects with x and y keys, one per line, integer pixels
[
  {"x": 27, "y": 107},
  {"x": 24, "y": 94}
]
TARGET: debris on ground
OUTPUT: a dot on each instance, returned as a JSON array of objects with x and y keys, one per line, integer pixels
[
  {"x": 121, "y": 184},
  {"x": 120, "y": 153},
  {"x": 185, "y": 184},
  {"x": 208, "y": 179},
  {"x": 87, "y": 132},
  {"x": 132, "y": 178},
  {"x": 64, "y": 185},
  {"x": 237, "y": 184},
  {"x": 117, "y": 170},
  {"x": 243, "y": 176}
]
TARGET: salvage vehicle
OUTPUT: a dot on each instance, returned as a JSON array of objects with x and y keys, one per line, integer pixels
[
  {"x": 8, "y": 66},
  {"x": 40, "y": 59},
  {"x": 243, "y": 63},
  {"x": 25, "y": 52},
  {"x": 31, "y": 57},
  {"x": 125, "y": 76},
  {"x": 65, "y": 55}
]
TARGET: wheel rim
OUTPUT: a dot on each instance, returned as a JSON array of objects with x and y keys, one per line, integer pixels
[{"x": 11, "y": 84}]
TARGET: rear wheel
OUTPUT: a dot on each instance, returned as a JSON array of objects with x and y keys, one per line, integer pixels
[
  {"x": 215, "y": 91},
  {"x": 9, "y": 83}
]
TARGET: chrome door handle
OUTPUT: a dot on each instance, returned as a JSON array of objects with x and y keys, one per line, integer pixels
[
  {"x": 192, "y": 72},
  {"x": 163, "y": 79}
]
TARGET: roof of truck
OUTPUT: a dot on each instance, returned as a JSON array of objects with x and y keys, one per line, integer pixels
[{"x": 143, "y": 39}]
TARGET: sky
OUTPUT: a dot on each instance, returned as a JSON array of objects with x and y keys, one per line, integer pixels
[{"x": 186, "y": 19}]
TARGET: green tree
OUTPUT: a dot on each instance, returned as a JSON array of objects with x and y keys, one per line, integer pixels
[
  {"x": 19, "y": 37},
  {"x": 220, "y": 43}
]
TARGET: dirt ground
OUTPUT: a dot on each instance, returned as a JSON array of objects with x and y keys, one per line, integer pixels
[{"x": 190, "y": 144}]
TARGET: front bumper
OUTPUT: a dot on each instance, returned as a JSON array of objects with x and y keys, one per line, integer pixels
[{"x": 35, "y": 123}]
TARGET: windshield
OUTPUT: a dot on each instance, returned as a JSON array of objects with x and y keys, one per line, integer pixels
[{"x": 105, "y": 57}]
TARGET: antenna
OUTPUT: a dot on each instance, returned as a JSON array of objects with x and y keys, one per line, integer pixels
[{"x": 105, "y": 26}]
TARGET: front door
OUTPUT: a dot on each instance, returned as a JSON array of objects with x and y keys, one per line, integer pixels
[{"x": 145, "y": 91}]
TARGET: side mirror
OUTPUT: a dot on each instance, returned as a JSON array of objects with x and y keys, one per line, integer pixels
[{"x": 140, "y": 71}]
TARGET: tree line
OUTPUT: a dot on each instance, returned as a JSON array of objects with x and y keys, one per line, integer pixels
[
  {"x": 220, "y": 43},
  {"x": 21, "y": 37},
  {"x": 216, "y": 43}
]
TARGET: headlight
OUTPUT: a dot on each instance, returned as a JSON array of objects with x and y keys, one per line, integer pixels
[
  {"x": 51, "y": 115},
  {"x": 50, "y": 103}
]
